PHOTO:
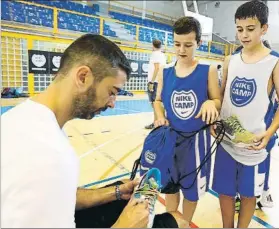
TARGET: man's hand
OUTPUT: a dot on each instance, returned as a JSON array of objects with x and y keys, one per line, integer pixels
[
  {"x": 208, "y": 112},
  {"x": 134, "y": 215},
  {"x": 261, "y": 141},
  {"x": 127, "y": 189}
]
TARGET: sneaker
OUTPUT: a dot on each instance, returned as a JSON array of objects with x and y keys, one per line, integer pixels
[
  {"x": 149, "y": 127},
  {"x": 236, "y": 134},
  {"x": 237, "y": 203},
  {"x": 266, "y": 200},
  {"x": 149, "y": 189},
  {"x": 258, "y": 198}
]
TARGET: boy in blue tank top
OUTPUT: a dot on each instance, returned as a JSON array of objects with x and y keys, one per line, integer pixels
[
  {"x": 250, "y": 79},
  {"x": 189, "y": 94}
]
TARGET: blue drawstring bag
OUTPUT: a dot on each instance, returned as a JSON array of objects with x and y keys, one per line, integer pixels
[{"x": 158, "y": 152}]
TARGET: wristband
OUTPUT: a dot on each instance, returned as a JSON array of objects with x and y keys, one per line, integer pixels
[{"x": 117, "y": 192}]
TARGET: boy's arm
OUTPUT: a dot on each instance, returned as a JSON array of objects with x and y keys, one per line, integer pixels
[
  {"x": 224, "y": 76},
  {"x": 264, "y": 138},
  {"x": 213, "y": 87},
  {"x": 158, "y": 108},
  {"x": 158, "y": 105},
  {"x": 209, "y": 111}
]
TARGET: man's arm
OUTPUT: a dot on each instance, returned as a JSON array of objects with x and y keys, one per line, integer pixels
[
  {"x": 156, "y": 70},
  {"x": 87, "y": 198}
]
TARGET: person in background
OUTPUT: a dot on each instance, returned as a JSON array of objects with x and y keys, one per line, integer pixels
[{"x": 156, "y": 61}]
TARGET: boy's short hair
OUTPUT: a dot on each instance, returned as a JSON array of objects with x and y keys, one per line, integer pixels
[
  {"x": 253, "y": 9},
  {"x": 157, "y": 43},
  {"x": 186, "y": 25}
]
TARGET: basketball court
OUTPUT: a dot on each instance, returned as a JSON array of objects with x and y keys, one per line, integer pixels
[{"x": 108, "y": 145}]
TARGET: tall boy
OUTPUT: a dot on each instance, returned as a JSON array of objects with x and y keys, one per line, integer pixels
[{"x": 250, "y": 78}]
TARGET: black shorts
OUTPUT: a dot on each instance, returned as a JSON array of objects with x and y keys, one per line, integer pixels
[
  {"x": 106, "y": 215},
  {"x": 152, "y": 94}
]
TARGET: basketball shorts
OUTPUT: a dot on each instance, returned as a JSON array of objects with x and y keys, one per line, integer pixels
[
  {"x": 189, "y": 155},
  {"x": 231, "y": 177}
]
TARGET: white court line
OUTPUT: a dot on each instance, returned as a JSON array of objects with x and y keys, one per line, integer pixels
[
  {"x": 106, "y": 116},
  {"x": 122, "y": 109},
  {"x": 111, "y": 140}
]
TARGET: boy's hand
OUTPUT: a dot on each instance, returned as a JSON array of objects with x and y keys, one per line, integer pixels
[
  {"x": 261, "y": 141},
  {"x": 161, "y": 122},
  {"x": 208, "y": 112},
  {"x": 212, "y": 130}
]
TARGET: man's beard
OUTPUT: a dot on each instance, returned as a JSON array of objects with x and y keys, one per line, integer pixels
[{"x": 85, "y": 105}]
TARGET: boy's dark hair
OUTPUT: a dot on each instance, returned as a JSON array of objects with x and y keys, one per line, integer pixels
[
  {"x": 186, "y": 25},
  {"x": 98, "y": 53},
  {"x": 253, "y": 9},
  {"x": 157, "y": 44},
  {"x": 219, "y": 66}
]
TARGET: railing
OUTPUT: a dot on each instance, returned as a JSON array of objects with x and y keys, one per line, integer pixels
[
  {"x": 214, "y": 49},
  {"x": 139, "y": 9},
  {"x": 217, "y": 38}
]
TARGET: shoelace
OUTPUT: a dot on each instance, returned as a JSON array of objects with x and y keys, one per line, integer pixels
[
  {"x": 269, "y": 199},
  {"x": 149, "y": 193},
  {"x": 235, "y": 124}
]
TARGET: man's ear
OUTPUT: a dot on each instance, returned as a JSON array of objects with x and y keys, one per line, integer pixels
[{"x": 83, "y": 78}]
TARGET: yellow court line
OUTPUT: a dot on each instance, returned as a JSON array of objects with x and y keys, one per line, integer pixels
[{"x": 106, "y": 173}]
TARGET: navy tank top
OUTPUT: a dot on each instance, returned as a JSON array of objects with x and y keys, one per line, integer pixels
[{"x": 183, "y": 97}]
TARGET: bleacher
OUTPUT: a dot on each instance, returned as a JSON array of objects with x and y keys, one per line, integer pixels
[{"x": 40, "y": 16}]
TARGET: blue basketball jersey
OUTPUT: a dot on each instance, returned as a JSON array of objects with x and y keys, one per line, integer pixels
[{"x": 183, "y": 97}]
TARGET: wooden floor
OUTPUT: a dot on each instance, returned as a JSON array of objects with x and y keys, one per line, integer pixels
[{"x": 108, "y": 145}]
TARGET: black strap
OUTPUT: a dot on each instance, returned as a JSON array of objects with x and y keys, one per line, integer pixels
[
  {"x": 209, "y": 154},
  {"x": 135, "y": 168},
  {"x": 186, "y": 135}
]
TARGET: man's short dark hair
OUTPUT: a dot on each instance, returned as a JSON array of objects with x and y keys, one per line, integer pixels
[
  {"x": 253, "y": 9},
  {"x": 156, "y": 43},
  {"x": 98, "y": 53},
  {"x": 186, "y": 25}
]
